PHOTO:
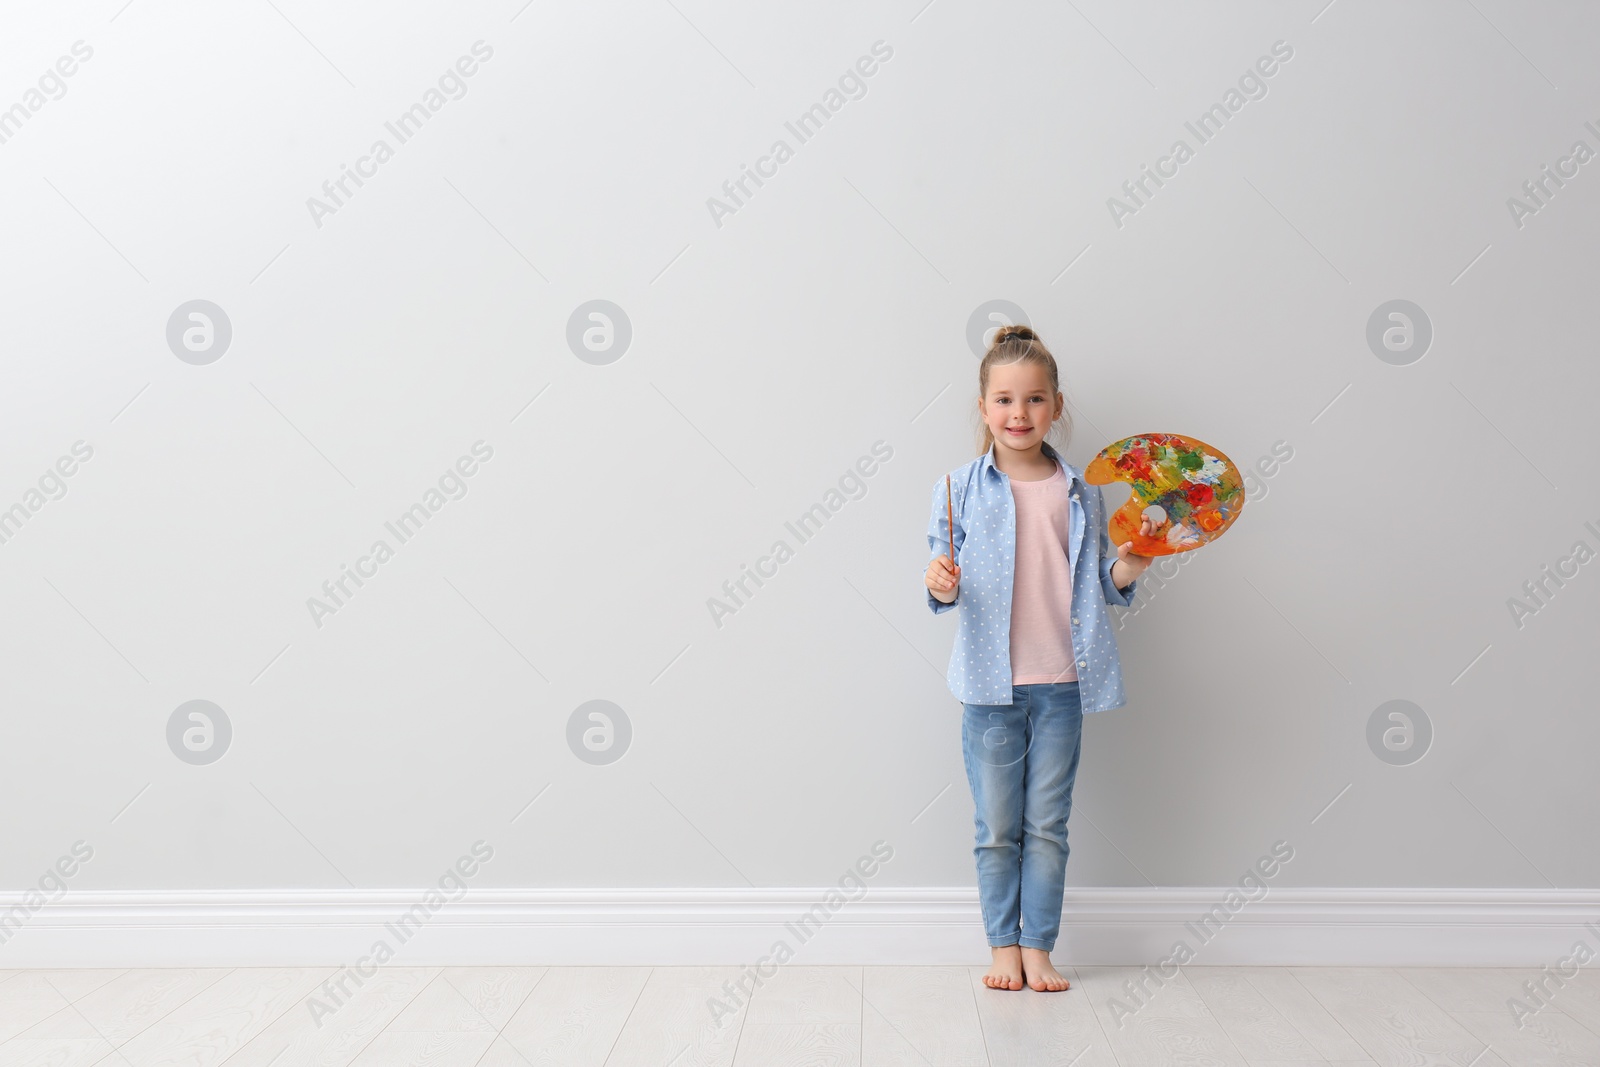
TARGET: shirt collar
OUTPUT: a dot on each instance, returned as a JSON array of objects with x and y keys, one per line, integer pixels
[{"x": 1048, "y": 449}]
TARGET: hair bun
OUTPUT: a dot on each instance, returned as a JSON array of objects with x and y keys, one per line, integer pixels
[{"x": 1006, "y": 333}]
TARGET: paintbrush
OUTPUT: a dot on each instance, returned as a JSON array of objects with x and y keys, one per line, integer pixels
[{"x": 950, "y": 519}]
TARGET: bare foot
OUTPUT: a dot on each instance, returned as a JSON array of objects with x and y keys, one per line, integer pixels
[
  {"x": 1042, "y": 974},
  {"x": 1007, "y": 970}
]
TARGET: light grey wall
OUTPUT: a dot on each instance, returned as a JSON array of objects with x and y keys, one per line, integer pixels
[{"x": 770, "y": 350}]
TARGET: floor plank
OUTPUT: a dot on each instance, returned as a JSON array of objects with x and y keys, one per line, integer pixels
[
  {"x": 421, "y": 1048},
  {"x": 919, "y": 1017},
  {"x": 825, "y": 996},
  {"x": 1471, "y": 989},
  {"x": 75, "y": 1052},
  {"x": 65, "y": 1039},
  {"x": 1257, "y": 1029},
  {"x": 440, "y": 1008},
  {"x": 1579, "y": 998},
  {"x": 76, "y": 984},
  {"x": 804, "y": 1015},
  {"x": 26, "y": 1001},
  {"x": 224, "y": 1017},
  {"x": 1029, "y": 1029},
  {"x": 573, "y": 1017},
  {"x": 495, "y": 993},
  {"x": 1549, "y": 1039},
  {"x": 801, "y": 1016},
  {"x": 298, "y": 1038},
  {"x": 1396, "y": 1024},
  {"x": 1165, "y": 1023},
  {"x": 674, "y": 1021},
  {"x": 1295, "y": 1003},
  {"x": 125, "y": 1006},
  {"x": 799, "y": 1045}
]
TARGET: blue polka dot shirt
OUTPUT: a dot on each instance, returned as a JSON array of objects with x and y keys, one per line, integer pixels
[{"x": 986, "y": 542}]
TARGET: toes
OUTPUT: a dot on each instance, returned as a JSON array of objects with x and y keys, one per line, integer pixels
[{"x": 1003, "y": 981}]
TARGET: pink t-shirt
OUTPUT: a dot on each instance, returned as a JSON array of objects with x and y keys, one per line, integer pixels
[{"x": 1041, "y": 599}]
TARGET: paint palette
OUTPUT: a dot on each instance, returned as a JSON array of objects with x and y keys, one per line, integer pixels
[{"x": 1198, "y": 490}]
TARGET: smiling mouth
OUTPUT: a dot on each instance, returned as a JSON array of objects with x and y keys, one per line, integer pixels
[{"x": 1019, "y": 429}]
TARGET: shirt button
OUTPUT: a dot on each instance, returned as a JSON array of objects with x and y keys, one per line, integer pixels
[
  {"x": 1074, "y": 620},
  {"x": 1083, "y": 663}
]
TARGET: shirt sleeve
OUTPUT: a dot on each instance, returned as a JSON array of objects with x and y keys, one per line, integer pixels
[
  {"x": 939, "y": 540},
  {"x": 1108, "y": 556}
]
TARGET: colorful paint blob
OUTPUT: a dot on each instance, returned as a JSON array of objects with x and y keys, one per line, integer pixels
[{"x": 1198, "y": 489}]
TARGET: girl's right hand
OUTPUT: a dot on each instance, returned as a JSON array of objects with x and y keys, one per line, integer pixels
[{"x": 942, "y": 578}]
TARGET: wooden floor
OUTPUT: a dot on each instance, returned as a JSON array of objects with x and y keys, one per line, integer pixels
[{"x": 868, "y": 1016}]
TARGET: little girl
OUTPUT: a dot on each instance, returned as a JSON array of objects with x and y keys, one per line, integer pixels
[{"x": 1034, "y": 648}]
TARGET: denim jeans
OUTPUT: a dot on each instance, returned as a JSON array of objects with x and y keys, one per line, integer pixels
[{"x": 1021, "y": 761}]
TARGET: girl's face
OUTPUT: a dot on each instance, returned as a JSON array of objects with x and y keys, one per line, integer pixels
[{"x": 1019, "y": 407}]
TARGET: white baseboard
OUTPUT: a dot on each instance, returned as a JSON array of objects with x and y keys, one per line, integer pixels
[{"x": 666, "y": 927}]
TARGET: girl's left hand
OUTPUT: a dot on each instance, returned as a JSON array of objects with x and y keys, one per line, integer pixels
[{"x": 1135, "y": 563}]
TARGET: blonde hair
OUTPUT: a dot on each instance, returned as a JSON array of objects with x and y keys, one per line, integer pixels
[{"x": 1019, "y": 344}]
